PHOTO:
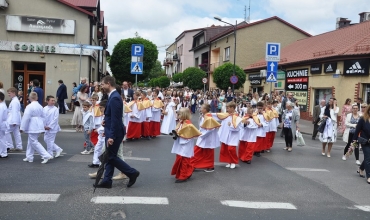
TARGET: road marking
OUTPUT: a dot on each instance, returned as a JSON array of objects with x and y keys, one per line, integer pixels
[
  {"x": 363, "y": 208},
  {"x": 24, "y": 152},
  {"x": 130, "y": 200},
  {"x": 224, "y": 164},
  {"x": 88, "y": 158},
  {"x": 258, "y": 205},
  {"x": 306, "y": 169},
  {"x": 21, "y": 197},
  {"x": 68, "y": 131}
]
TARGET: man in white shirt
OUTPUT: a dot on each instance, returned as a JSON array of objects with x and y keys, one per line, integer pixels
[
  {"x": 160, "y": 94},
  {"x": 129, "y": 93}
]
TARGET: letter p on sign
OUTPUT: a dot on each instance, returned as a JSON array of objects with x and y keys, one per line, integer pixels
[
  {"x": 137, "y": 50},
  {"x": 272, "y": 51}
]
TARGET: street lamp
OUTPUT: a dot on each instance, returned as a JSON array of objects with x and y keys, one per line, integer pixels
[{"x": 234, "y": 26}]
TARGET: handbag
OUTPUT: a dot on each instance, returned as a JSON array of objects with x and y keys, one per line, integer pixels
[
  {"x": 300, "y": 140},
  {"x": 322, "y": 126},
  {"x": 76, "y": 103},
  {"x": 320, "y": 121},
  {"x": 363, "y": 141}
]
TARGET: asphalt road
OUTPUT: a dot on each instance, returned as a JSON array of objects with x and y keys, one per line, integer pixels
[{"x": 279, "y": 185}]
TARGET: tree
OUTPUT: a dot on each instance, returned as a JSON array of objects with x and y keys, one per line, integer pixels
[
  {"x": 177, "y": 77},
  {"x": 192, "y": 77},
  {"x": 222, "y": 75},
  {"x": 120, "y": 61},
  {"x": 163, "y": 82},
  {"x": 157, "y": 71}
]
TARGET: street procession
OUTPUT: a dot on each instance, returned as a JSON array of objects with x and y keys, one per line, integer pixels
[{"x": 158, "y": 109}]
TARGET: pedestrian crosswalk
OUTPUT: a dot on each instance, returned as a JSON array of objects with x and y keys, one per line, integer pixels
[{"x": 139, "y": 200}]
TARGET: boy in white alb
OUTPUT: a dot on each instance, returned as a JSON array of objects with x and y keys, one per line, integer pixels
[
  {"x": 52, "y": 127},
  {"x": 33, "y": 124},
  {"x": 3, "y": 126},
  {"x": 262, "y": 130},
  {"x": 248, "y": 136},
  {"x": 14, "y": 120}
]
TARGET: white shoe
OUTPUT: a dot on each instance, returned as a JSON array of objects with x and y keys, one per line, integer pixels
[
  {"x": 228, "y": 165},
  {"x": 45, "y": 161},
  {"x": 358, "y": 162},
  {"x": 26, "y": 160},
  {"x": 85, "y": 152},
  {"x": 328, "y": 155},
  {"x": 232, "y": 166},
  {"x": 323, "y": 154},
  {"x": 344, "y": 157},
  {"x": 119, "y": 176},
  {"x": 91, "y": 150},
  {"x": 58, "y": 153},
  {"x": 93, "y": 175}
]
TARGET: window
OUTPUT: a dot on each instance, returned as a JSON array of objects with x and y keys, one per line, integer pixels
[
  {"x": 227, "y": 54},
  {"x": 196, "y": 64}
]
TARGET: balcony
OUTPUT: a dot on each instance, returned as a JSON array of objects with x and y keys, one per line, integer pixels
[
  {"x": 175, "y": 58},
  {"x": 213, "y": 66},
  {"x": 204, "y": 67},
  {"x": 169, "y": 61},
  {"x": 165, "y": 63}
]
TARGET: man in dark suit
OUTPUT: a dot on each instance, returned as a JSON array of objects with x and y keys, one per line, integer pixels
[
  {"x": 194, "y": 98},
  {"x": 114, "y": 133},
  {"x": 61, "y": 95},
  {"x": 316, "y": 117},
  {"x": 39, "y": 91},
  {"x": 129, "y": 93}
]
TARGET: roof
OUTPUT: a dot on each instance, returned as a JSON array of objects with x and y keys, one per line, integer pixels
[
  {"x": 209, "y": 32},
  {"x": 76, "y": 7},
  {"x": 347, "y": 41},
  {"x": 256, "y": 23},
  {"x": 186, "y": 31},
  {"x": 84, "y": 3}
]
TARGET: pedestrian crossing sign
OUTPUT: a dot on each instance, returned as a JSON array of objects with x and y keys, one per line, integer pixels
[
  {"x": 137, "y": 68},
  {"x": 271, "y": 76}
]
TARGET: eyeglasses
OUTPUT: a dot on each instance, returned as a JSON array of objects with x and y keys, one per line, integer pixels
[{"x": 363, "y": 107}]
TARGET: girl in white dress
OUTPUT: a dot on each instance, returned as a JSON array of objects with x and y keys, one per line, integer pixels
[
  {"x": 329, "y": 136},
  {"x": 77, "y": 116},
  {"x": 169, "y": 120}
]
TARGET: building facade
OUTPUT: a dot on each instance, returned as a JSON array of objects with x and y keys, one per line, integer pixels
[
  {"x": 251, "y": 45},
  {"x": 332, "y": 64},
  {"x": 30, "y": 37}
]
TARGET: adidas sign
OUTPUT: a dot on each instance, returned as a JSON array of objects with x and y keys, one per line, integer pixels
[
  {"x": 329, "y": 68},
  {"x": 355, "y": 68}
]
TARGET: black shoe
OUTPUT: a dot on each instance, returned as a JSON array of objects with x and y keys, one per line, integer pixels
[
  {"x": 180, "y": 181},
  {"x": 103, "y": 185},
  {"x": 133, "y": 179},
  {"x": 263, "y": 151},
  {"x": 209, "y": 170},
  {"x": 93, "y": 165},
  {"x": 258, "y": 154},
  {"x": 248, "y": 161},
  {"x": 3, "y": 157},
  {"x": 313, "y": 138}
]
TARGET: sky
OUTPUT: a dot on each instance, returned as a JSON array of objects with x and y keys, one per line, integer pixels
[{"x": 161, "y": 21}]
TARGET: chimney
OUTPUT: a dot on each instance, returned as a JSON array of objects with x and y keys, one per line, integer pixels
[
  {"x": 342, "y": 22},
  {"x": 364, "y": 16}
]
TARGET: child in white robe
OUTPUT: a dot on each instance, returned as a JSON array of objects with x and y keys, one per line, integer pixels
[
  {"x": 14, "y": 120},
  {"x": 248, "y": 137},
  {"x": 33, "y": 124},
  {"x": 169, "y": 119},
  {"x": 52, "y": 127},
  {"x": 3, "y": 126},
  {"x": 88, "y": 125},
  {"x": 183, "y": 146}
]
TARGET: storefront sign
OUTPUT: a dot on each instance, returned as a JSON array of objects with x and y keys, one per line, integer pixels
[
  {"x": 316, "y": 68},
  {"x": 43, "y": 48},
  {"x": 281, "y": 75},
  {"x": 40, "y": 25},
  {"x": 254, "y": 76},
  {"x": 256, "y": 82},
  {"x": 330, "y": 67},
  {"x": 297, "y": 80},
  {"x": 356, "y": 67},
  {"x": 301, "y": 97}
]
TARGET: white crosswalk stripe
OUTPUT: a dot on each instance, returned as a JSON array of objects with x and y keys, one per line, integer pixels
[
  {"x": 363, "y": 208},
  {"x": 23, "y": 197},
  {"x": 130, "y": 200},
  {"x": 306, "y": 169},
  {"x": 258, "y": 205}
]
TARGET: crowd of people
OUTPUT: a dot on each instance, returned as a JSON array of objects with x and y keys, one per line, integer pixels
[{"x": 243, "y": 125}]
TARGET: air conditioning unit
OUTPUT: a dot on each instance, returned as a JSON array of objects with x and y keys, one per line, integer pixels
[
  {"x": 3, "y": 4},
  {"x": 263, "y": 73}
]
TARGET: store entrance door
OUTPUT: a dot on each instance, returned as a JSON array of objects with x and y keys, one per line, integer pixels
[{"x": 26, "y": 72}]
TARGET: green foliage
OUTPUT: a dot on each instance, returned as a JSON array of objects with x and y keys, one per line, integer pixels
[
  {"x": 177, "y": 77},
  {"x": 141, "y": 84},
  {"x": 222, "y": 75},
  {"x": 157, "y": 71},
  {"x": 192, "y": 77},
  {"x": 162, "y": 82},
  {"x": 120, "y": 60}
]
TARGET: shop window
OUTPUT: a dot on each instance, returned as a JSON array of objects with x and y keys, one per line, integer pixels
[
  {"x": 36, "y": 66},
  {"x": 321, "y": 94},
  {"x": 18, "y": 66}
]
